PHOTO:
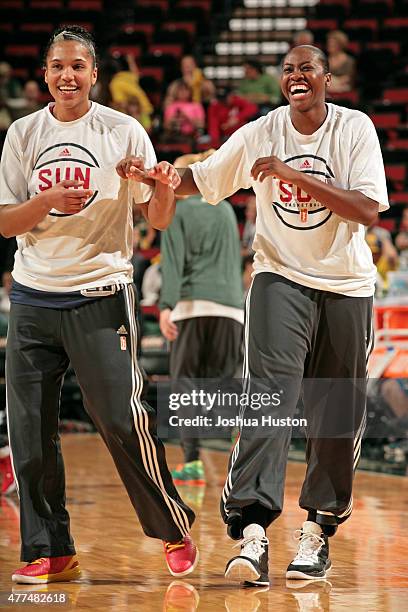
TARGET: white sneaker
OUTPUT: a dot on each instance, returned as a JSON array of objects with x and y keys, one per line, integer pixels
[
  {"x": 312, "y": 558},
  {"x": 251, "y": 565}
]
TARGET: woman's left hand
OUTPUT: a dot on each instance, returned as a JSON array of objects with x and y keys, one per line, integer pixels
[
  {"x": 274, "y": 167},
  {"x": 132, "y": 167}
]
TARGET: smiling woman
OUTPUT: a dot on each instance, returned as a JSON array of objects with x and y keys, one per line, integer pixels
[
  {"x": 73, "y": 301},
  {"x": 318, "y": 176},
  {"x": 70, "y": 72}
]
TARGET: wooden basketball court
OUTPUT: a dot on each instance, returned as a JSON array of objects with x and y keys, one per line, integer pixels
[{"x": 124, "y": 570}]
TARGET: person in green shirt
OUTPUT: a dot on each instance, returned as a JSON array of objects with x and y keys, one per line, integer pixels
[
  {"x": 201, "y": 302},
  {"x": 258, "y": 87}
]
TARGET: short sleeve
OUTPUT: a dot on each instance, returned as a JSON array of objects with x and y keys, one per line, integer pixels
[
  {"x": 367, "y": 173},
  {"x": 225, "y": 172},
  {"x": 13, "y": 183},
  {"x": 142, "y": 147}
]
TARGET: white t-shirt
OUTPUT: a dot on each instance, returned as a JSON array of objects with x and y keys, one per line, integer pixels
[
  {"x": 93, "y": 247},
  {"x": 296, "y": 236}
]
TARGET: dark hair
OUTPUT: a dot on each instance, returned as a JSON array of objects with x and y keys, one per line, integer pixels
[
  {"x": 318, "y": 52},
  {"x": 254, "y": 63},
  {"x": 72, "y": 32}
]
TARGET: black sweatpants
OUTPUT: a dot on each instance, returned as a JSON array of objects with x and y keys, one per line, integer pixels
[
  {"x": 291, "y": 333},
  {"x": 40, "y": 345},
  {"x": 206, "y": 347}
]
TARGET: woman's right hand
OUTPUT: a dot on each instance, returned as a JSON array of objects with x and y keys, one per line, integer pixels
[{"x": 66, "y": 197}]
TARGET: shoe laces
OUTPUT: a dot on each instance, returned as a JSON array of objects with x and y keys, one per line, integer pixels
[
  {"x": 253, "y": 546},
  {"x": 310, "y": 545},
  {"x": 172, "y": 546},
  {"x": 38, "y": 561}
]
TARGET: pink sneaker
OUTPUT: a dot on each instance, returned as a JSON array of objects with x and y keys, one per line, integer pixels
[
  {"x": 181, "y": 556},
  {"x": 8, "y": 484},
  {"x": 48, "y": 569}
]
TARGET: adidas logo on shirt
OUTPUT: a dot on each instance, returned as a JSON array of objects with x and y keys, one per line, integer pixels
[
  {"x": 306, "y": 164},
  {"x": 65, "y": 153}
]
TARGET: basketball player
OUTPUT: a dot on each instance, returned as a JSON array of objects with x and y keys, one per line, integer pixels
[
  {"x": 318, "y": 176},
  {"x": 73, "y": 301}
]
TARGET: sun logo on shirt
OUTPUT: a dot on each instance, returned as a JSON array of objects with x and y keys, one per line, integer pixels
[
  {"x": 64, "y": 162},
  {"x": 294, "y": 207}
]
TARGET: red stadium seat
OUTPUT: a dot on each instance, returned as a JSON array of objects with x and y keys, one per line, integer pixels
[
  {"x": 188, "y": 26},
  {"x": 144, "y": 28},
  {"x": 166, "y": 49},
  {"x": 85, "y": 5},
  {"x": 397, "y": 172},
  {"x": 399, "y": 197},
  {"x": 122, "y": 50},
  {"x": 396, "y": 94},
  {"x": 36, "y": 27},
  {"x": 156, "y": 72},
  {"x": 22, "y": 50},
  {"x": 162, "y": 4},
  {"x": 386, "y": 120},
  {"x": 46, "y": 4}
]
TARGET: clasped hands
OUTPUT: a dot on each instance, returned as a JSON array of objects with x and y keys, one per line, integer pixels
[{"x": 133, "y": 168}]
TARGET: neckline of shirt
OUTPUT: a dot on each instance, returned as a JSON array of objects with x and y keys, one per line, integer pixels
[
  {"x": 56, "y": 121},
  {"x": 308, "y": 137}
]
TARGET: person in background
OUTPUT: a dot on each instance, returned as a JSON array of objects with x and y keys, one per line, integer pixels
[
  {"x": 401, "y": 240},
  {"x": 5, "y": 116},
  {"x": 342, "y": 65},
  {"x": 247, "y": 272},
  {"x": 303, "y": 37},
  {"x": 228, "y": 113},
  {"x": 385, "y": 255},
  {"x": 29, "y": 103},
  {"x": 133, "y": 108},
  {"x": 201, "y": 302},
  {"x": 125, "y": 87},
  {"x": 183, "y": 117},
  {"x": 203, "y": 90},
  {"x": 258, "y": 87},
  {"x": 248, "y": 234},
  {"x": 10, "y": 88}
]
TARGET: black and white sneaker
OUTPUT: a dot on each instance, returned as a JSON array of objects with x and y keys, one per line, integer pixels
[
  {"x": 250, "y": 567},
  {"x": 312, "y": 558}
]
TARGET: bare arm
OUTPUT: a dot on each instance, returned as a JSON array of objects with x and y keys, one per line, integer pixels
[
  {"x": 159, "y": 211},
  {"x": 349, "y": 204},
  {"x": 187, "y": 185},
  {"x": 16, "y": 219}
]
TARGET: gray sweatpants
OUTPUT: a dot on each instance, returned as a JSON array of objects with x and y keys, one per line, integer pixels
[
  {"x": 294, "y": 333},
  {"x": 207, "y": 348},
  {"x": 41, "y": 343}
]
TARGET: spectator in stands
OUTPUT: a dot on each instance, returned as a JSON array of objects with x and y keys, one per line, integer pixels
[
  {"x": 201, "y": 302},
  {"x": 203, "y": 90},
  {"x": 342, "y": 65},
  {"x": 401, "y": 240},
  {"x": 303, "y": 37},
  {"x": 247, "y": 270},
  {"x": 384, "y": 253},
  {"x": 249, "y": 227},
  {"x": 395, "y": 393},
  {"x": 144, "y": 237},
  {"x": 183, "y": 117},
  {"x": 258, "y": 87},
  {"x": 228, "y": 113},
  {"x": 5, "y": 117},
  {"x": 29, "y": 103},
  {"x": 125, "y": 87},
  {"x": 133, "y": 108},
  {"x": 9, "y": 87}
]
